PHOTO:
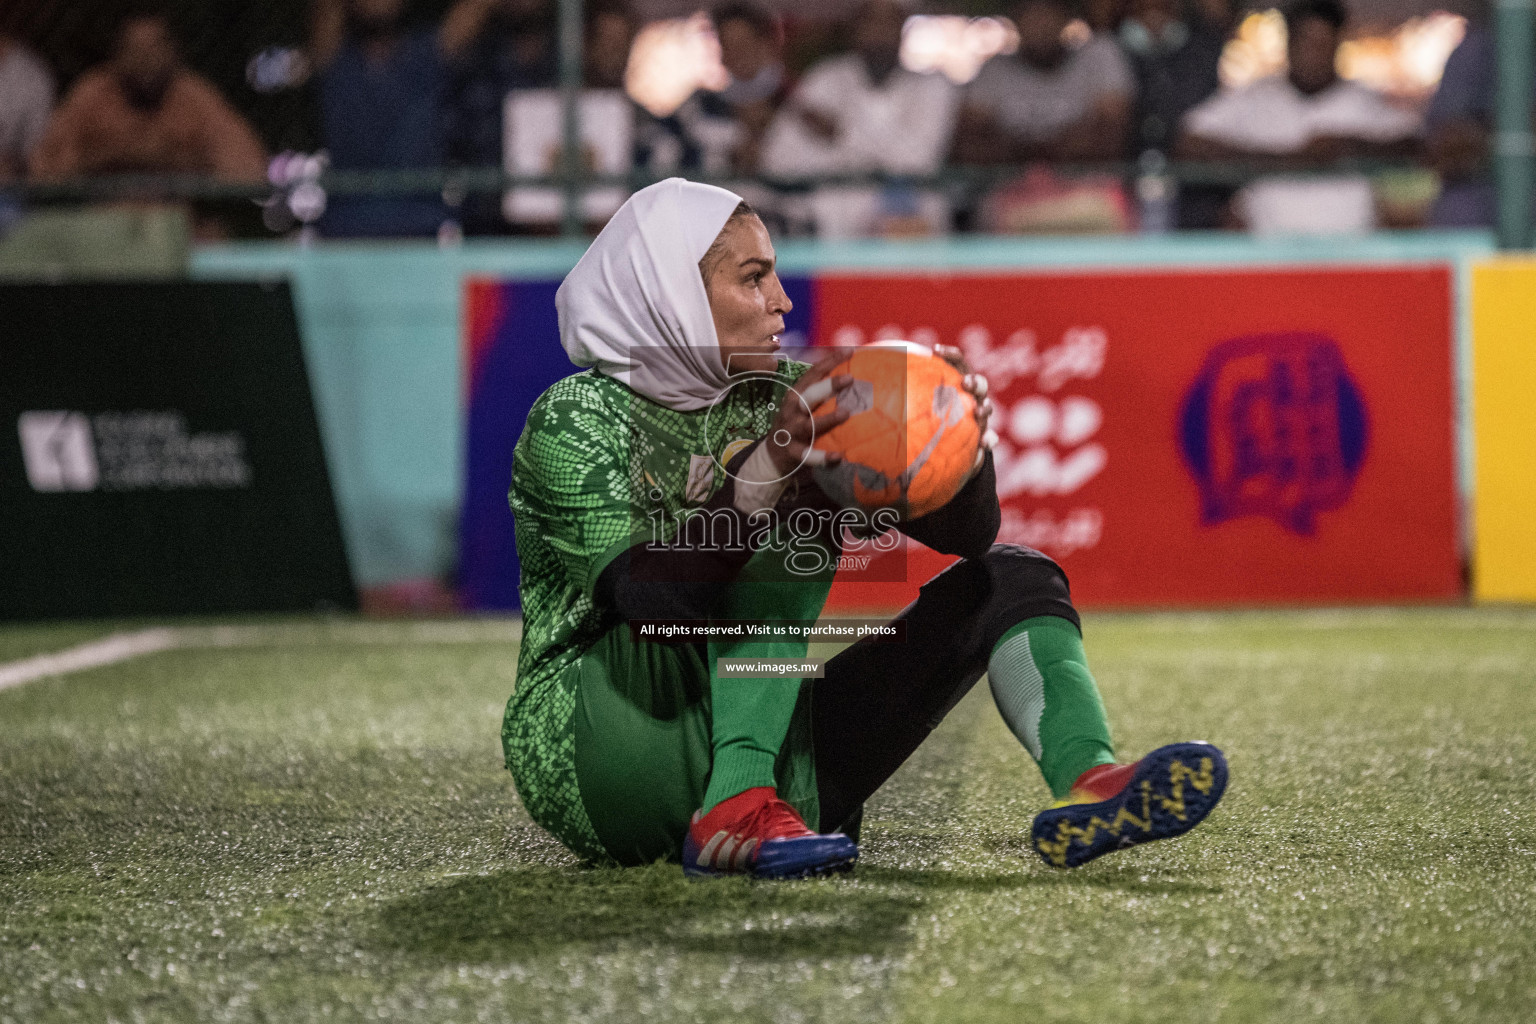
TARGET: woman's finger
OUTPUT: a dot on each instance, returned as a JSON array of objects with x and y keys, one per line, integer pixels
[
  {"x": 984, "y": 410},
  {"x": 817, "y": 457},
  {"x": 820, "y": 369},
  {"x": 953, "y": 356},
  {"x": 819, "y": 392},
  {"x": 808, "y": 395}
]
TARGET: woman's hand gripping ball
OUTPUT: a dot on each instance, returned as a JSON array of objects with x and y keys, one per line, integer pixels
[
  {"x": 791, "y": 439},
  {"x": 976, "y": 385}
]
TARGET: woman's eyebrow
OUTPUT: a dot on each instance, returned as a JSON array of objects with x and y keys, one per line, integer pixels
[{"x": 765, "y": 264}]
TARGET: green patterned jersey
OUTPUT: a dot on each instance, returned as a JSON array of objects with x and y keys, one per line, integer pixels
[{"x": 596, "y": 467}]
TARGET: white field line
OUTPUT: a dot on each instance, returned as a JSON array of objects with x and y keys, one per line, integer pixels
[
  {"x": 109, "y": 651},
  {"x": 121, "y": 647}
]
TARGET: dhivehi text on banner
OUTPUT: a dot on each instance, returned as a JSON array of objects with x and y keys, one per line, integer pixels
[{"x": 1200, "y": 438}]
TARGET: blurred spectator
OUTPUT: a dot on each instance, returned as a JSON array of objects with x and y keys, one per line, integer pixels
[
  {"x": 1174, "y": 53},
  {"x": 723, "y": 131},
  {"x": 1103, "y": 17},
  {"x": 1311, "y": 117},
  {"x": 611, "y": 123},
  {"x": 1047, "y": 101},
  {"x": 1457, "y": 128},
  {"x": 144, "y": 111},
  {"x": 862, "y": 112},
  {"x": 1174, "y": 57},
  {"x": 1050, "y": 101},
  {"x": 610, "y": 32},
  {"x": 515, "y": 50},
  {"x": 382, "y": 85},
  {"x": 26, "y": 99}
]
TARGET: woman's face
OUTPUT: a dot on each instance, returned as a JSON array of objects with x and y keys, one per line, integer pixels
[{"x": 745, "y": 297}]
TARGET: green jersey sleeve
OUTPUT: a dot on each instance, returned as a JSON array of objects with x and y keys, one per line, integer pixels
[{"x": 571, "y": 482}]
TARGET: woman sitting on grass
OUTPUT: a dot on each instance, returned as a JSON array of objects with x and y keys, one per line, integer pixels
[{"x": 630, "y": 750}]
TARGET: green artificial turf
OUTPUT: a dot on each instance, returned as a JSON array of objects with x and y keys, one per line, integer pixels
[{"x": 312, "y": 823}]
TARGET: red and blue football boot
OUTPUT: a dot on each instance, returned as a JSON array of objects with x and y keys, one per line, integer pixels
[
  {"x": 1115, "y": 806},
  {"x": 755, "y": 833}
]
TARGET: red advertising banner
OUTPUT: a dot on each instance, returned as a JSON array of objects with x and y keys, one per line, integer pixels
[{"x": 1200, "y": 438}]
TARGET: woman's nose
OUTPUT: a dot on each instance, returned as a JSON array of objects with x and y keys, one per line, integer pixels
[{"x": 779, "y": 299}]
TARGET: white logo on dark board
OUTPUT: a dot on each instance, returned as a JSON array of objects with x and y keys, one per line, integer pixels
[
  {"x": 58, "y": 450},
  {"x": 128, "y": 451}
]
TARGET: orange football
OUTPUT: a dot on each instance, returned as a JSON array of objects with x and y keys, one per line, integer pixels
[{"x": 912, "y": 437}]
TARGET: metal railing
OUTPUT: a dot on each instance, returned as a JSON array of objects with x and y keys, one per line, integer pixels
[
  {"x": 458, "y": 181},
  {"x": 1514, "y": 148}
]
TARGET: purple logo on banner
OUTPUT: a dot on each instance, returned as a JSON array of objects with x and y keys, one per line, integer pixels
[{"x": 1274, "y": 425}]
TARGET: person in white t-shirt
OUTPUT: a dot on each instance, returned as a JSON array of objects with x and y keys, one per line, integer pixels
[
  {"x": 862, "y": 112},
  {"x": 26, "y": 101},
  {"x": 1311, "y": 118},
  {"x": 1048, "y": 101}
]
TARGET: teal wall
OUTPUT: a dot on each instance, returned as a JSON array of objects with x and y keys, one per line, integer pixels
[{"x": 381, "y": 326}]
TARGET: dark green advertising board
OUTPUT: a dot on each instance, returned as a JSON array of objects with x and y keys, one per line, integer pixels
[{"x": 159, "y": 454}]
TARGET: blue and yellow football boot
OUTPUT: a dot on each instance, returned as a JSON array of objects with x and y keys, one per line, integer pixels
[{"x": 1115, "y": 806}]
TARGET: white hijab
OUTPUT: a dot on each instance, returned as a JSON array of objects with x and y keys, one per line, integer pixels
[{"x": 635, "y": 305}]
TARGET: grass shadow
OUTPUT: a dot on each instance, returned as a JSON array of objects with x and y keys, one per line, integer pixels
[
  {"x": 947, "y": 881},
  {"x": 523, "y": 910},
  {"x": 1127, "y": 881}
]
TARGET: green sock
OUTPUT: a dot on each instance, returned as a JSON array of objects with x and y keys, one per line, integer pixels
[
  {"x": 1040, "y": 680},
  {"x": 749, "y": 718}
]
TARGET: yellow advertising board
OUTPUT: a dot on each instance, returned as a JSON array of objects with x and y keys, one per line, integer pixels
[{"x": 1504, "y": 429}]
